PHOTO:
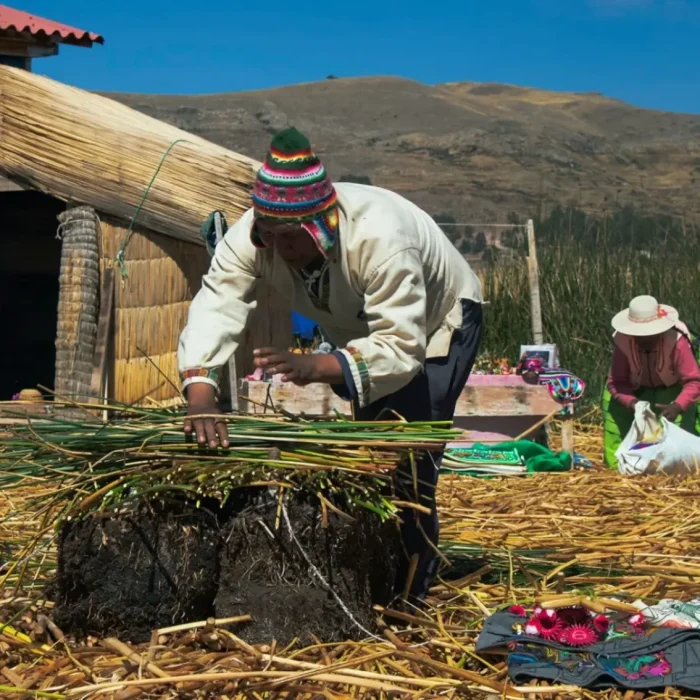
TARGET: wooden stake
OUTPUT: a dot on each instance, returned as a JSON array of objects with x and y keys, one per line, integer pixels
[
  {"x": 567, "y": 434},
  {"x": 98, "y": 384},
  {"x": 232, "y": 377},
  {"x": 534, "y": 277}
]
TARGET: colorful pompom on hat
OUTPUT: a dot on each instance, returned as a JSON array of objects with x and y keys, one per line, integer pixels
[{"x": 292, "y": 185}]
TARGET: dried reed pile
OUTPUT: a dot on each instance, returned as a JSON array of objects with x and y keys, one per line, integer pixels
[
  {"x": 144, "y": 453},
  {"x": 420, "y": 654},
  {"x": 85, "y": 148}
]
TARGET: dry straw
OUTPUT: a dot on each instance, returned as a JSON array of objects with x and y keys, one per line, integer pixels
[{"x": 584, "y": 516}]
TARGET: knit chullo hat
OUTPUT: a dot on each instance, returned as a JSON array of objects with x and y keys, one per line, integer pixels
[{"x": 292, "y": 185}]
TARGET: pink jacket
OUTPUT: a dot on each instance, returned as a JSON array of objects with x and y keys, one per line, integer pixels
[{"x": 671, "y": 362}]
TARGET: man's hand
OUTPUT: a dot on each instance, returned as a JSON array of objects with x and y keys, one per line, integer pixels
[
  {"x": 670, "y": 411},
  {"x": 201, "y": 416},
  {"x": 299, "y": 369}
]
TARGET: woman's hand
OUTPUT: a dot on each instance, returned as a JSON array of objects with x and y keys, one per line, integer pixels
[
  {"x": 201, "y": 416},
  {"x": 670, "y": 411}
]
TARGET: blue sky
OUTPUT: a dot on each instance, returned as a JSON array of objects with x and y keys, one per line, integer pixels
[{"x": 646, "y": 52}]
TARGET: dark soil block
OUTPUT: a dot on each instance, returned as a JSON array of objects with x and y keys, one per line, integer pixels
[
  {"x": 129, "y": 574},
  {"x": 265, "y": 573}
]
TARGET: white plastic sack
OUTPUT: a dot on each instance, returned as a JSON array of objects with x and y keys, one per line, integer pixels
[{"x": 654, "y": 445}]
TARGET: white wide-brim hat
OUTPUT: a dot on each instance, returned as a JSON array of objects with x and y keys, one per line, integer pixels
[{"x": 645, "y": 316}]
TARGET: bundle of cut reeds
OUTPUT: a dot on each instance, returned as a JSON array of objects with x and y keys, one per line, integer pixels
[
  {"x": 95, "y": 465},
  {"x": 89, "y": 149}
]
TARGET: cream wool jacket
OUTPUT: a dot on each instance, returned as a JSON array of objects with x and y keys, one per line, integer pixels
[{"x": 390, "y": 293}]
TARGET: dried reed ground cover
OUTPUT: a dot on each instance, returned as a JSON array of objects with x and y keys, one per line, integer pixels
[{"x": 624, "y": 537}]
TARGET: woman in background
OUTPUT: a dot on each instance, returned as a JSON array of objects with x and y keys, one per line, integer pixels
[{"x": 653, "y": 361}]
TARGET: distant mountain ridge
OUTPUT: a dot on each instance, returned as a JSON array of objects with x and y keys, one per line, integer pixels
[{"x": 477, "y": 151}]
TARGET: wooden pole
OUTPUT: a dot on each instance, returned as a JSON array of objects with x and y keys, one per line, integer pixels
[
  {"x": 534, "y": 277},
  {"x": 535, "y": 305},
  {"x": 567, "y": 431},
  {"x": 100, "y": 381},
  {"x": 232, "y": 376}
]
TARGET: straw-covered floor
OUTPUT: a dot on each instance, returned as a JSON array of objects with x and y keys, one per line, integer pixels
[{"x": 586, "y": 533}]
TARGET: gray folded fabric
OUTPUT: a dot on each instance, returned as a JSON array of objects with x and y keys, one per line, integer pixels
[{"x": 656, "y": 658}]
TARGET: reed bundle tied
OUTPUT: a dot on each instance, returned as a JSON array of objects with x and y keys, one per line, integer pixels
[
  {"x": 144, "y": 453},
  {"x": 86, "y": 148}
]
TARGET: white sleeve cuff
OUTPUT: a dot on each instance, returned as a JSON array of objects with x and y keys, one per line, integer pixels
[
  {"x": 360, "y": 374},
  {"x": 200, "y": 376}
]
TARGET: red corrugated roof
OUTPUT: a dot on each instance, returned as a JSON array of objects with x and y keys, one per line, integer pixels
[{"x": 23, "y": 22}]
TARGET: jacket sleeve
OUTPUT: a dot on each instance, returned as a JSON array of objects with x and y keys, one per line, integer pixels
[
  {"x": 618, "y": 379},
  {"x": 394, "y": 351},
  {"x": 219, "y": 312}
]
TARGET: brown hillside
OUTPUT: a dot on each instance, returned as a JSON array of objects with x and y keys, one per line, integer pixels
[{"x": 477, "y": 151}]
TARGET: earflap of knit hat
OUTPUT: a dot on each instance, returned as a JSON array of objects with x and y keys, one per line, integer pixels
[{"x": 324, "y": 230}]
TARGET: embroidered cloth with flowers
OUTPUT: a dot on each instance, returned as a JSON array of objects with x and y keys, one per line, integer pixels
[{"x": 576, "y": 646}]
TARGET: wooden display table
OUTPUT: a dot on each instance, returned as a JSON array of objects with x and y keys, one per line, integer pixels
[{"x": 490, "y": 407}]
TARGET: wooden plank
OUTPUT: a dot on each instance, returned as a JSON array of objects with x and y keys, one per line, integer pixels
[
  {"x": 534, "y": 279},
  {"x": 520, "y": 399},
  {"x": 524, "y": 400},
  {"x": 98, "y": 384},
  {"x": 26, "y": 47},
  {"x": 567, "y": 435},
  {"x": 312, "y": 400}
]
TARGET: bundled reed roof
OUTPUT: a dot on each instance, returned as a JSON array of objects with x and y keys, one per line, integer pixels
[{"x": 92, "y": 150}]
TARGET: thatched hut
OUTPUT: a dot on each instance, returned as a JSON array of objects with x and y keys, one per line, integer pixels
[{"x": 94, "y": 192}]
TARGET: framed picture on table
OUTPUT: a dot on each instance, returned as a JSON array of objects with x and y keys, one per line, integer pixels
[{"x": 547, "y": 354}]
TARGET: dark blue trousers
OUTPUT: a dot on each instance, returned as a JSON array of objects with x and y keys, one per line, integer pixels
[{"x": 430, "y": 395}]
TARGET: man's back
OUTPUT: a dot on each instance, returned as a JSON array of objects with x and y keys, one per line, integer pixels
[{"x": 377, "y": 224}]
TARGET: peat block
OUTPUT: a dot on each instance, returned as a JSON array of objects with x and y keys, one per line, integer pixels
[
  {"x": 265, "y": 573},
  {"x": 130, "y": 573}
]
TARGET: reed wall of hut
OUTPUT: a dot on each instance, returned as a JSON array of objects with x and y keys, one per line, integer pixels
[
  {"x": 151, "y": 306},
  {"x": 78, "y": 303}
]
